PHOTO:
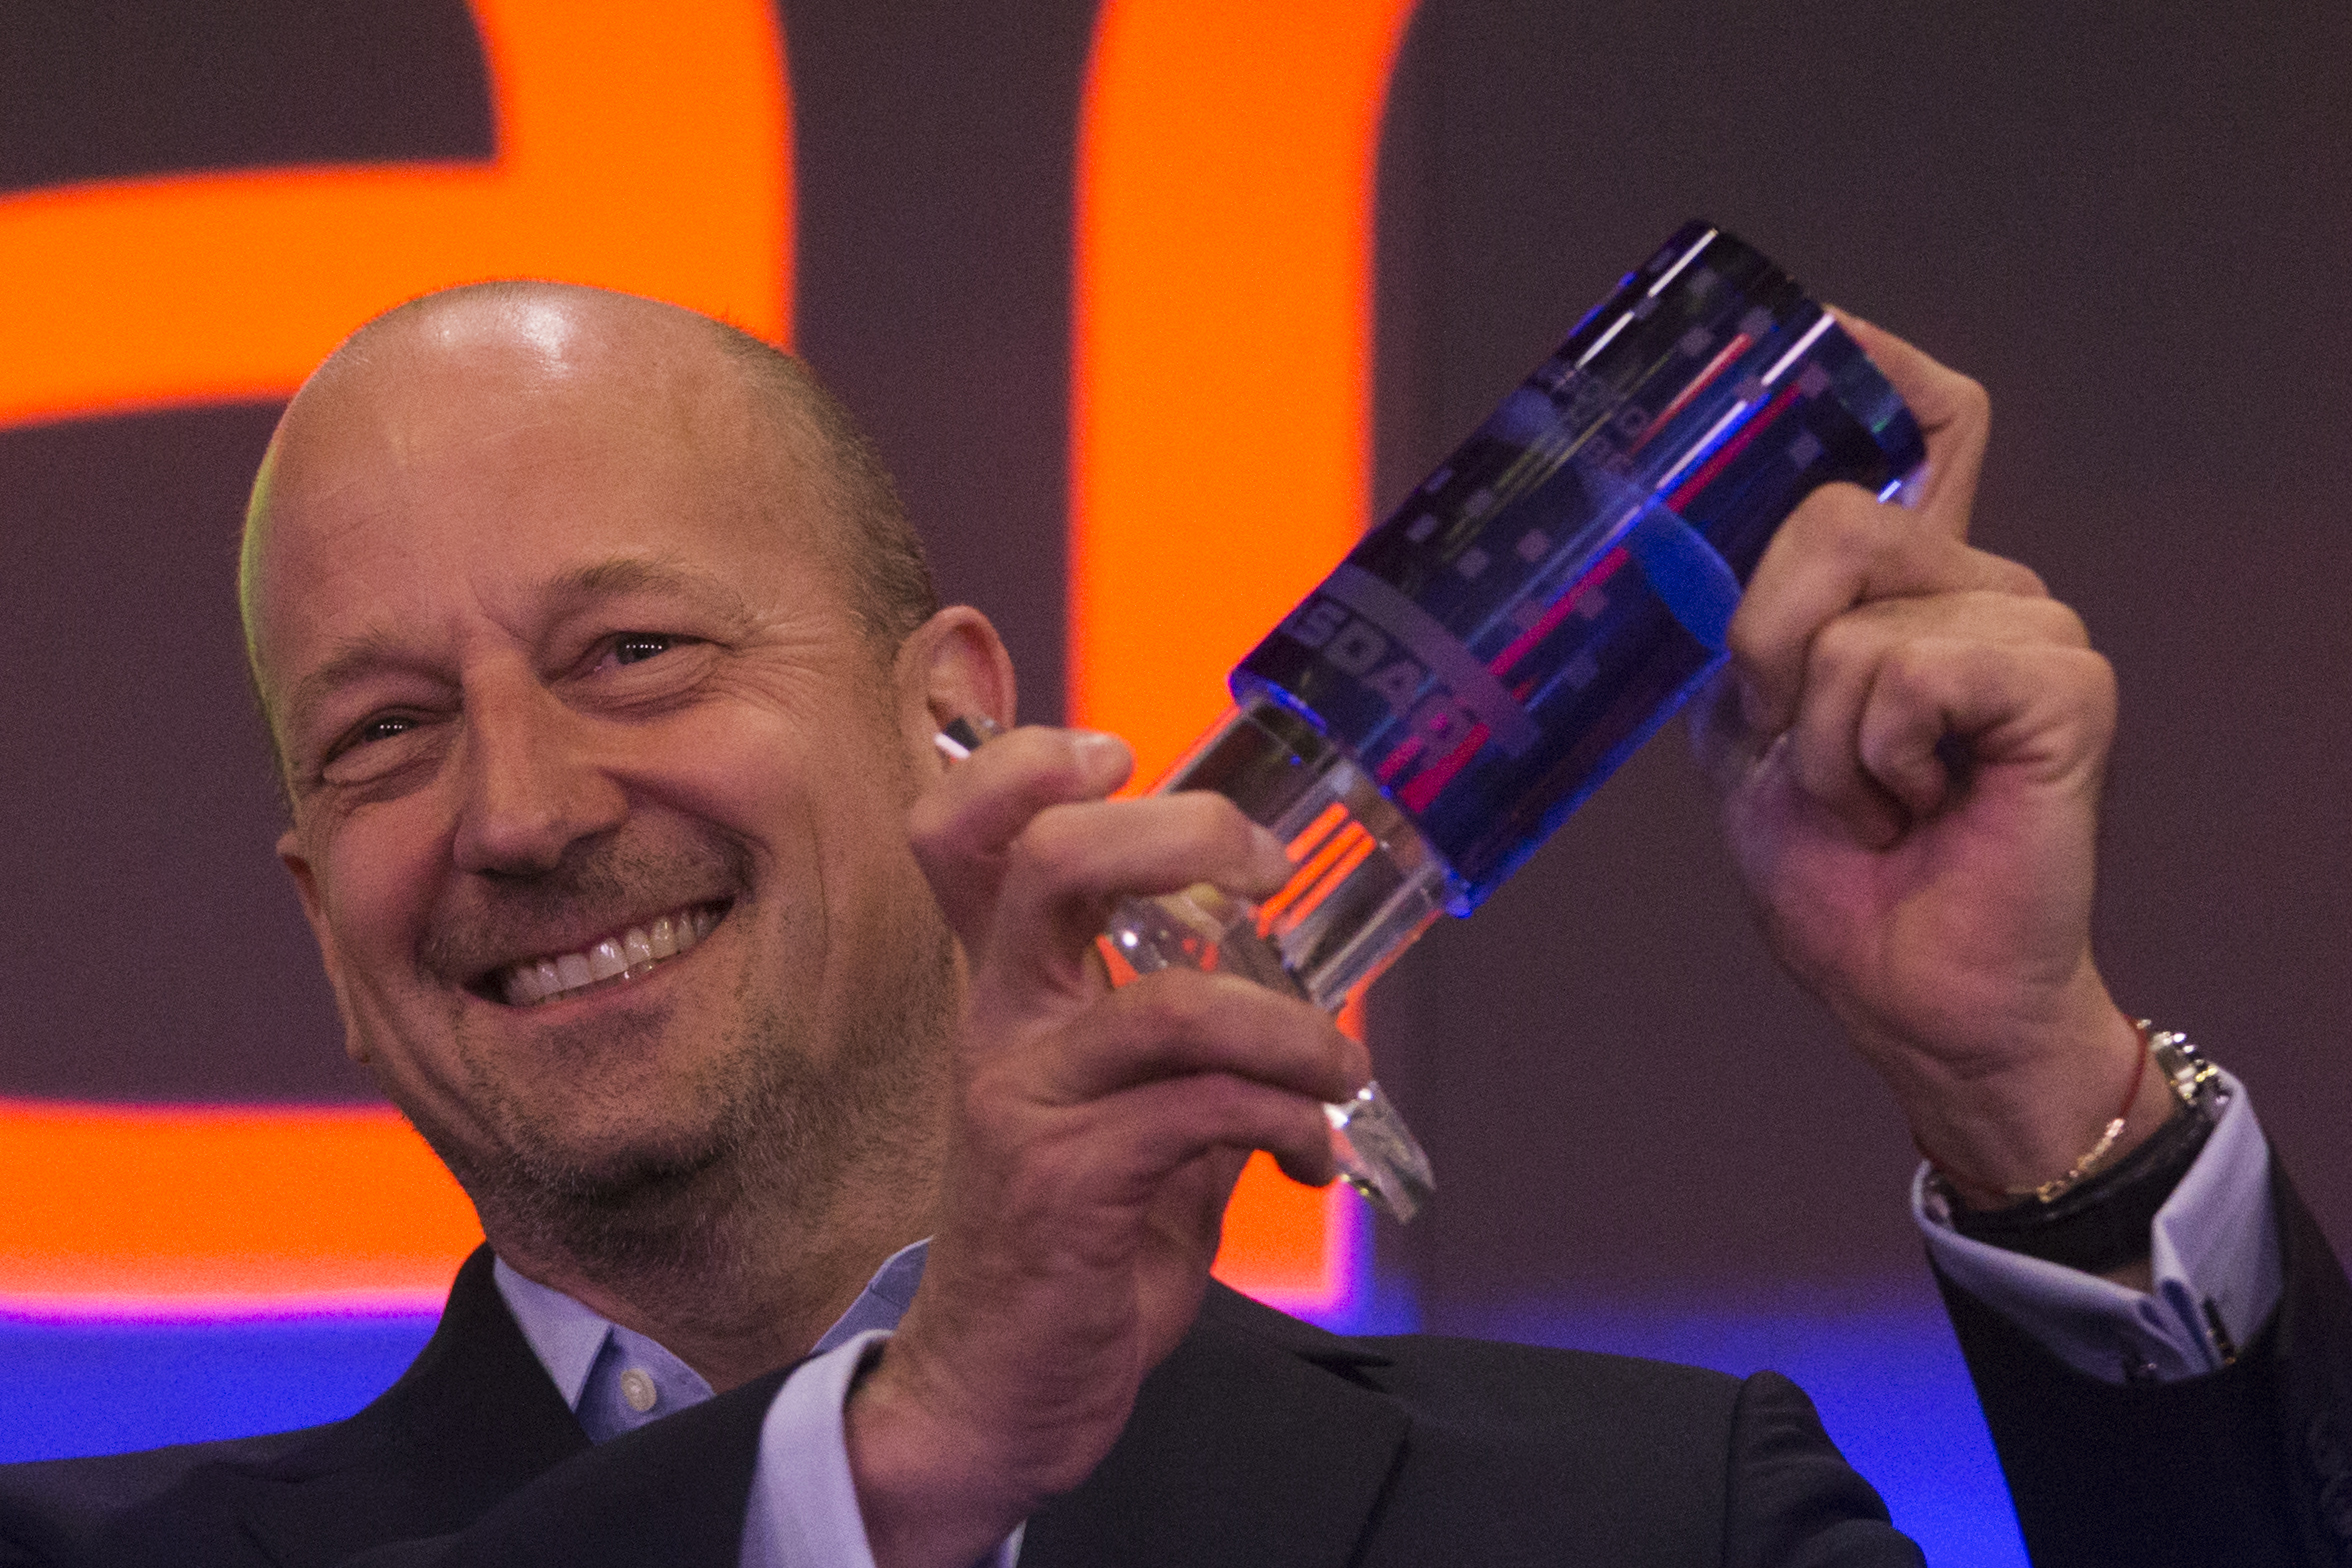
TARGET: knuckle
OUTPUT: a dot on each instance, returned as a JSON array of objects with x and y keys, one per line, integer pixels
[
  {"x": 1051, "y": 848},
  {"x": 1833, "y": 521},
  {"x": 1840, "y": 646},
  {"x": 2066, "y": 627},
  {"x": 1858, "y": 531},
  {"x": 2020, "y": 579},
  {"x": 1910, "y": 672},
  {"x": 1170, "y": 1005},
  {"x": 1970, "y": 399},
  {"x": 2095, "y": 680}
]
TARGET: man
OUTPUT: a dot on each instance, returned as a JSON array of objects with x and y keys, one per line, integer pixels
[{"x": 604, "y": 683}]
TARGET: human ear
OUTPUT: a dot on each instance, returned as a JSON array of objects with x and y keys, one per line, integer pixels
[
  {"x": 297, "y": 864},
  {"x": 953, "y": 666}
]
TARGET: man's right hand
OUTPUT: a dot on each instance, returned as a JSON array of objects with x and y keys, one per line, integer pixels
[{"x": 1096, "y": 1137}]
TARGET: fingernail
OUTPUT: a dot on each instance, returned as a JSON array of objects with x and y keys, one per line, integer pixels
[{"x": 1100, "y": 752}]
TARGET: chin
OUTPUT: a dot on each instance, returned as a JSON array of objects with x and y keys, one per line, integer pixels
[{"x": 627, "y": 1197}]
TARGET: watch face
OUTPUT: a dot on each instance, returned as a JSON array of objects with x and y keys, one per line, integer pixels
[{"x": 2192, "y": 1077}]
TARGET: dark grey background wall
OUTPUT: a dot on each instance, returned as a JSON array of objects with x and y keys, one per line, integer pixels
[{"x": 2134, "y": 224}]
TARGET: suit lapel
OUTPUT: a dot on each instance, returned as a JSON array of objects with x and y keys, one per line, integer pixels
[
  {"x": 472, "y": 1420},
  {"x": 1249, "y": 1445}
]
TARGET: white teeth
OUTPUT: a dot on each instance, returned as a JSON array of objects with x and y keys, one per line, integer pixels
[
  {"x": 632, "y": 953},
  {"x": 606, "y": 959}
]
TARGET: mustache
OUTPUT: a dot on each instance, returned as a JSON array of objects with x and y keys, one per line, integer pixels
[{"x": 484, "y": 922}]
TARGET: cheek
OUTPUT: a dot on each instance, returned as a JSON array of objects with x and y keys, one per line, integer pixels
[
  {"x": 381, "y": 867},
  {"x": 879, "y": 908},
  {"x": 794, "y": 787},
  {"x": 823, "y": 807}
]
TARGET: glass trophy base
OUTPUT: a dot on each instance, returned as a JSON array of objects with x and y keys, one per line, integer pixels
[
  {"x": 1378, "y": 1154},
  {"x": 1365, "y": 886}
]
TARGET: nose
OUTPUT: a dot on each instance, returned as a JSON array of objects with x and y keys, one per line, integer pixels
[{"x": 531, "y": 779}]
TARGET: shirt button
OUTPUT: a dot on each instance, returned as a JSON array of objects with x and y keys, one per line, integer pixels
[{"x": 639, "y": 1390}]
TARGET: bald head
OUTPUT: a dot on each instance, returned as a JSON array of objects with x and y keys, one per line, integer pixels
[{"x": 489, "y": 359}]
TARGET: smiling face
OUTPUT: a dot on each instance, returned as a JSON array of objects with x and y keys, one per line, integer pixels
[{"x": 599, "y": 786}]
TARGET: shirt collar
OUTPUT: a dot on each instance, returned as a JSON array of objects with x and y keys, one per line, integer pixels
[
  {"x": 567, "y": 1336},
  {"x": 564, "y": 1334}
]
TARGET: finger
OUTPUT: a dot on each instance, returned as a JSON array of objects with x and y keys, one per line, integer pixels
[
  {"x": 1073, "y": 862},
  {"x": 1823, "y": 757},
  {"x": 1159, "y": 1128},
  {"x": 1839, "y": 550},
  {"x": 1179, "y": 1022},
  {"x": 1955, "y": 418},
  {"x": 1846, "y": 671},
  {"x": 962, "y": 826},
  {"x": 2040, "y": 706}
]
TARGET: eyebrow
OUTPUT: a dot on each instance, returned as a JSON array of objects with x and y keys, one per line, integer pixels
[
  {"x": 353, "y": 655},
  {"x": 640, "y": 574},
  {"x": 567, "y": 592}
]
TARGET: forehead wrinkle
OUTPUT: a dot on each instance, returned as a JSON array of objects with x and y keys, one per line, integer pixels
[{"x": 621, "y": 576}]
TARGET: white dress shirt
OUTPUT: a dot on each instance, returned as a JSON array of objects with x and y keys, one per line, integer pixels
[
  {"x": 2214, "y": 1254},
  {"x": 803, "y": 1511}
]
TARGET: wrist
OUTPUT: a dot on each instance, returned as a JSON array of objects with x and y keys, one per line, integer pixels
[
  {"x": 2051, "y": 1104},
  {"x": 928, "y": 1492}
]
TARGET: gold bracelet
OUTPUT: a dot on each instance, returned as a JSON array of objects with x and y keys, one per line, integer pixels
[{"x": 2058, "y": 1186}]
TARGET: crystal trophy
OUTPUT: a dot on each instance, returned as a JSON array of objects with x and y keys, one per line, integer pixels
[{"x": 1534, "y": 611}]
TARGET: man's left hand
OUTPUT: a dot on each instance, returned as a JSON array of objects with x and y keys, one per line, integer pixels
[{"x": 1911, "y": 746}]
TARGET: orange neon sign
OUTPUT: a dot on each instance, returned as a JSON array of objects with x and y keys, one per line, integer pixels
[
  {"x": 210, "y": 1211},
  {"x": 1220, "y": 407},
  {"x": 640, "y": 146}
]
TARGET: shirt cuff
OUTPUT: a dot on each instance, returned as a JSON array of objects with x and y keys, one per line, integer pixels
[
  {"x": 803, "y": 1511},
  {"x": 2213, "y": 1251}
]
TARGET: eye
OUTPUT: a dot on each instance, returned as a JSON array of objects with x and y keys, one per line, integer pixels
[
  {"x": 382, "y": 728},
  {"x": 362, "y": 756},
  {"x": 637, "y": 647}
]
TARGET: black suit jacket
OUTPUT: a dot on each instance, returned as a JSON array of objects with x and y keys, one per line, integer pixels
[
  {"x": 2251, "y": 1465},
  {"x": 1261, "y": 1440}
]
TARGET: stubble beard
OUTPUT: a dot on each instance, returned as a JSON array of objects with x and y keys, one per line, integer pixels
[{"x": 776, "y": 1124}]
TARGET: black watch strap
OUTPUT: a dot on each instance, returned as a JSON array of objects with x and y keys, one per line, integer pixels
[{"x": 2105, "y": 1222}]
